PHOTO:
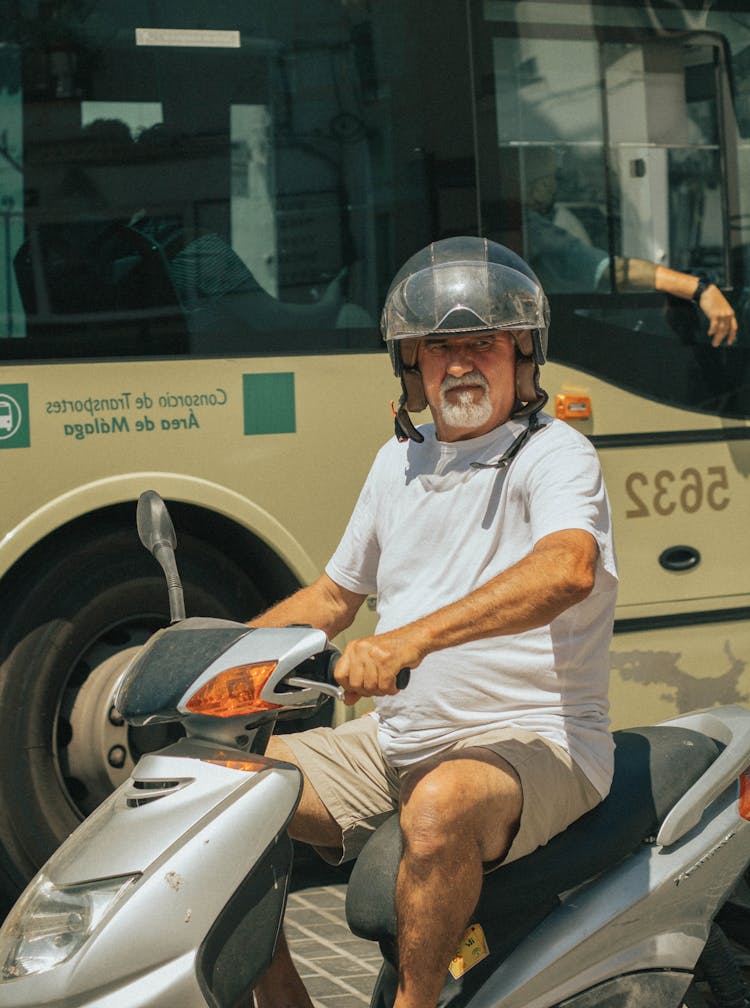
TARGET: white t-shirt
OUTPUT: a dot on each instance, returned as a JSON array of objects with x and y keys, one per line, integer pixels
[{"x": 428, "y": 529}]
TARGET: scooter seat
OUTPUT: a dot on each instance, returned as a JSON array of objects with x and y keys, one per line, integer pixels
[{"x": 654, "y": 766}]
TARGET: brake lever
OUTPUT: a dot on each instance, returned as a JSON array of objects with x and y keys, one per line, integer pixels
[
  {"x": 328, "y": 689},
  {"x": 332, "y": 690}
]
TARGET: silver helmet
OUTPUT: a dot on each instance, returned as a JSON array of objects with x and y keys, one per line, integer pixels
[{"x": 460, "y": 285}]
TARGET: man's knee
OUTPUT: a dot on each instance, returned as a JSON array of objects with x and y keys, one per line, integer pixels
[
  {"x": 459, "y": 805},
  {"x": 431, "y": 819}
]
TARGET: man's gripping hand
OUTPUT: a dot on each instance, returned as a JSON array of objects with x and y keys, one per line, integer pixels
[{"x": 369, "y": 667}]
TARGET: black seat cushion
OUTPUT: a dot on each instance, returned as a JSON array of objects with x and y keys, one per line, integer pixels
[{"x": 654, "y": 766}]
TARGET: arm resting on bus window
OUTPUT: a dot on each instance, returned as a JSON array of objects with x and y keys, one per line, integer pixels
[
  {"x": 638, "y": 274},
  {"x": 323, "y": 604}
]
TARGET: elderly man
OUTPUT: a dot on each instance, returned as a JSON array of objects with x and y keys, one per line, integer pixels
[{"x": 487, "y": 539}]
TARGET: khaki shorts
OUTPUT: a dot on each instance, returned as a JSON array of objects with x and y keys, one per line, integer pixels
[{"x": 346, "y": 768}]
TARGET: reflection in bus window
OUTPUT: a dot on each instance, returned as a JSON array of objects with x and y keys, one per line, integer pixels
[
  {"x": 565, "y": 235},
  {"x": 12, "y": 320},
  {"x": 662, "y": 102},
  {"x": 639, "y": 161},
  {"x": 235, "y": 222}
]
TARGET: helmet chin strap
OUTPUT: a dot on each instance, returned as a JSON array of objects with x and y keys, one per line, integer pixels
[
  {"x": 412, "y": 398},
  {"x": 527, "y": 369},
  {"x": 404, "y": 428},
  {"x": 510, "y": 453}
]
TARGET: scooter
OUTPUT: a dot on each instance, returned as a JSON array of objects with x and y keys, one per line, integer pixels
[{"x": 172, "y": 892}]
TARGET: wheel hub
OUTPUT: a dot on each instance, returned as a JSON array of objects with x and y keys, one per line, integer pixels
[{"x": 97, "y": 750}]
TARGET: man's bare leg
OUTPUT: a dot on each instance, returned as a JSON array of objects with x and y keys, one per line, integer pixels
[
  {"x": 459, "y": 813},
  {"x": 281, "y": 986}
]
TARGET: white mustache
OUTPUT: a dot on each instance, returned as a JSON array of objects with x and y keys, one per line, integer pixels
[{"x": 472, "y": 378}]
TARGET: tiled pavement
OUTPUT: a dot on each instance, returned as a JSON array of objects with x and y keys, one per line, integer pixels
[{"x": 338, "y": 969}]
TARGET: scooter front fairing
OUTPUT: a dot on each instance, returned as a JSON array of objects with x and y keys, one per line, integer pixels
[{"x": 153, "y": 901}]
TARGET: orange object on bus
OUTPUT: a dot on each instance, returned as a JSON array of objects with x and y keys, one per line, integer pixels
[{"x": 572, "y": 407}]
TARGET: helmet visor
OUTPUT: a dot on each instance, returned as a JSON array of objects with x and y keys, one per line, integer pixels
[{"x": 463, "y": 296}]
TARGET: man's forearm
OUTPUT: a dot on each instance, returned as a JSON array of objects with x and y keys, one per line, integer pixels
[
  {"x": 323, "y": 604},
  {"x": 635, "y": 274},
  {"x": 722, "y": 322},
  {"x": 556, "y": 575}
]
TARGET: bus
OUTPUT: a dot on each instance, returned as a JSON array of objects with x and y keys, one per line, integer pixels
[{"x": 201, "y": 208}]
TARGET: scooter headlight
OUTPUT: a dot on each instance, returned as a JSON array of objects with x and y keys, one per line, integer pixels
[{"x": 49, "y": 924}]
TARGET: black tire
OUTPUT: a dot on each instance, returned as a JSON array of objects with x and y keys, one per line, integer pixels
[{"x": 92, "y": 596}]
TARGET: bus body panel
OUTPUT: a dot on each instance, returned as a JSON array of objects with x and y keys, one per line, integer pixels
[
  {"x": 91, "y": 433},
  {"x": 673, "y": 665},
  {"x": 122, "y": 488}
]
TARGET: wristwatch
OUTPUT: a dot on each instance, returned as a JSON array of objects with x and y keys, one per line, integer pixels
[{"x": 697, "y": 293}]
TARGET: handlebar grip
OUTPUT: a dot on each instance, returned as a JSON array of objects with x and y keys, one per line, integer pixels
[{"x": 402, "y": 679}]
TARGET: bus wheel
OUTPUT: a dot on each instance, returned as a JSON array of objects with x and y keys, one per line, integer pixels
[{"x": 67, "y": 629}]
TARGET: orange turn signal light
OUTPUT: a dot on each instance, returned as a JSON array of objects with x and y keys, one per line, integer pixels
[
  {"x": 744, "y": 802},
  {"x": 572, "y": 407},
  {"x": 235, "y": 692}
]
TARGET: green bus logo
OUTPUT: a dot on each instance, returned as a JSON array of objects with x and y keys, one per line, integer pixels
[{"x": 14, "y": 416}]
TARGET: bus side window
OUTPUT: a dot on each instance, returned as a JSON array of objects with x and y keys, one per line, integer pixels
[
  {"x": 633, "y": 172},
  {"x": 593, "y": 152},
  {"x": 542, "y": 152},
  {"x": 662, "y": 107}
]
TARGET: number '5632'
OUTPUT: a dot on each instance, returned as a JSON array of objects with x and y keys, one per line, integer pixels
[{"x": 667, "y": 491}]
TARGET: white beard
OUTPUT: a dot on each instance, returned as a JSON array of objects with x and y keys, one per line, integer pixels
[{"x": 465, "y": 412}]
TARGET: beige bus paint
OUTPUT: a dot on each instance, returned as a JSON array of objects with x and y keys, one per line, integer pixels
[
  {"x": 617, "y": 411},
  {"x": 665, "y": 495},
  {"x": 681, "y": 607},
  {"x": 662, "y": 672},
  {"x": 307, "y": 480},
  {"x": 173, "y": 486}
]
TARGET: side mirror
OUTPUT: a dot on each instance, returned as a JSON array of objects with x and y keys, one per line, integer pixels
[
  {"x": 153, "y": 522},
  {"x": 156, "y": 532}
]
